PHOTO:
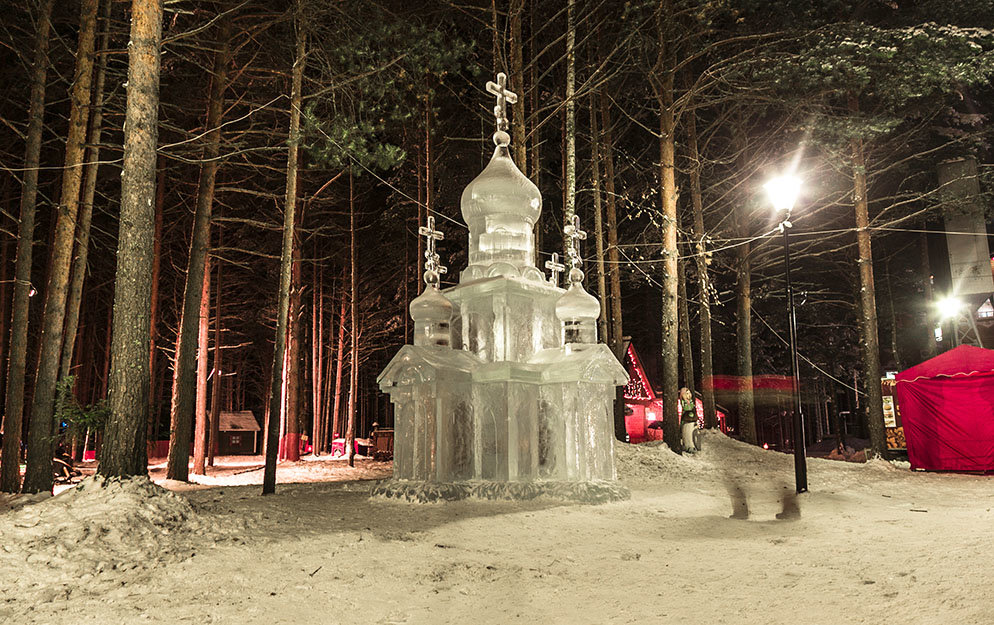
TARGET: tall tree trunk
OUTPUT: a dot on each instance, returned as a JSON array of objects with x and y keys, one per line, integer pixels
[
  {"x": 317, "y": 361},
  {"x": 5, "y": 284},
  {"x": 892, "y": 313},
  {"x": 930, "y": 350},
  {"x": 617, "y": 342},
  {"x": 534, "y": 158},
  {"x": 669, "y": 356},
  {"x": 429, "y": 183},
  {"x": 868, "y": 305},
  {"x": 86, "y": 205},
  {"x": 10, "y": 458},
  {"x": 201, "y": 425},
  {"x": 354, "y": 326},
  {"x": 337, "y": 430},
  {"x": 215, "y": 424},
  {"x": 293, "y": 372},
  {"x": 123, "y": 452},
  {"x": 569, "y": 206},
  {"x": 153, "y": 395},
  {"x": 327, "y": 419},
  {"x": 286, "y": 256},
  {"x": 182, "y": 405},
  {"x": 743, "y": 336},
  {"x": 702, "y": 257},
  {"x": 617, "y": 337},
  {"x": 518, "y": 145},
  {"x": 686, "y": 345},
  {"x": 38, "y": 475},
  {"x": 595, "y": 179}
]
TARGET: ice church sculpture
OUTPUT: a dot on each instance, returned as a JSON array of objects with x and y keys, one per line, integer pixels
[{"x": 505, "y": 393}]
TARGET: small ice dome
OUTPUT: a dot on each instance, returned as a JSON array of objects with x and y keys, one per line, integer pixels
[
  {"x": 577, "y": 304},
  {"x": 431, "y": 306},
  {"x": 501, "y": 189}
]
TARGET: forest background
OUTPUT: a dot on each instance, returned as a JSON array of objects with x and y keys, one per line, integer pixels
[{"x": 657, "y": 123}]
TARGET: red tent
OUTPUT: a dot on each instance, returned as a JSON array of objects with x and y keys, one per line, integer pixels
[{"x": 947, "y": 409}]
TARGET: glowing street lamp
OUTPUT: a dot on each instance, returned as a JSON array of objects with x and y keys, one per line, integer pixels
[
  {"x": 783, "y": 192},
  {"x": 949, "y": 307}
]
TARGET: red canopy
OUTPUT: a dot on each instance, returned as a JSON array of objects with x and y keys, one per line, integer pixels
[{"x": 947, "y": 409}]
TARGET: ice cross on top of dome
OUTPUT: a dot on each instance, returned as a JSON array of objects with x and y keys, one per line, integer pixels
[
  {"x": 574, "y": 235},
  {"x": 432, "y": 267},
  {"x": 555, "y": 267},
  {"x": 504, "y": 96}
]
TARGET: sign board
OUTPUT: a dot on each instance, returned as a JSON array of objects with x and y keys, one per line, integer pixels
[{"x": 893, "y": 430}]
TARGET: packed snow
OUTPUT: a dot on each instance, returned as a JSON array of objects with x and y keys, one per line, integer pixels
[{"x": 871, "y": 543}]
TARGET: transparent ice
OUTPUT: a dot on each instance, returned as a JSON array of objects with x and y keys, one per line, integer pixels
[{"x": 506, "y": 391}]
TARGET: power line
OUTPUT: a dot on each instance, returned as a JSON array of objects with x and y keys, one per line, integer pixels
[{"x": 806, "y": 359}]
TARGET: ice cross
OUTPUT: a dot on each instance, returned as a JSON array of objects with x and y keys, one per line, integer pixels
[
  {"x": 437, "y": 266},
  {"x": 431, "y": 235},
  {"x": 575, "y": 235},
  {"x": 504, "y": 96},
  {"x": 556, "y": 267},
  {"x": 432, "y": 268}
]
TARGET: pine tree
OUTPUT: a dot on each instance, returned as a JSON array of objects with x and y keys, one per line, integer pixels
[
  {"x": 123, "y": 451},
  {"x": 10, "y": 471},
  {"x": 38, "y": 474}
]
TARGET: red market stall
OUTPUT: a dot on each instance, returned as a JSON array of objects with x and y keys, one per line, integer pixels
[{"x": 947, "y": 409}]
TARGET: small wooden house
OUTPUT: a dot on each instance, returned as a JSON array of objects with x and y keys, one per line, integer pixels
[
  {"x": 644, "y": 406},
  {"x": 238, "y": 433}
]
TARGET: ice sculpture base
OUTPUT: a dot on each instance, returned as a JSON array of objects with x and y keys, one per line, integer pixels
[{"x": 411, "y": 491}]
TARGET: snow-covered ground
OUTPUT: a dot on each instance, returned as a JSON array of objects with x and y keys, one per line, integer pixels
[{"x": 875, "y": 543}]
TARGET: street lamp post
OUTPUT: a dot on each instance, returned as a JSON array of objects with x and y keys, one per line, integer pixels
[
  {"x": 783, "y": 192},
  {"x": 953, "y": 309}
]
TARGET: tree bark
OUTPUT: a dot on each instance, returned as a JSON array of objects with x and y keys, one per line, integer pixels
[
  {"x": 892, "y": 313},
  {"x": 701, "y": 256},
  {"x": 743, "y": 336},
  {"x": 595, "y": 180},
  {"x": 337, "y": 410},
  {"x": 38, "y": 476},
  {"x": 534, "y": 158},
  {"x": 569, "y": 206},
  {"x": 153, "y": 404},
  {"x": 868, "y": 306},
  {"x": 215, "y": 424},
  {"x": 86, "y": 205},
  {"x": 669, "y": 356},
  {"x": 617, "y": 337},
  {"x": 291, "y": 446},
  {"x": 123, "y": 452},
  {"x": 10, "y": 470},
  {"x": 518, "y": 145},
  {"x": 614, "y": 259},
  {"x": 686, "y": 345},
  {"x": 182, "y": 406},
  {"x": 317, "y": 361},
  {"x": 286, "y": 257},
  {"x": 930, "y": 350},
  {"x": 354, "y": 326},
  {"x": 5, "y": 289},
  {"x": 201, "y": 425}
]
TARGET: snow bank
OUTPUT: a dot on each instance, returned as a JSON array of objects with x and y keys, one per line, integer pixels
[
  {"x": 722, "y": 457},
  {"x": 93, "y": 533}
]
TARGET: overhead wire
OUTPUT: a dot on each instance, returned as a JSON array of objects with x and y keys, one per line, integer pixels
[{"x": 806, "y": 359}]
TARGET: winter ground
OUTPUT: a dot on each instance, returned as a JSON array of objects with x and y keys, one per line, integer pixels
[{"x": 875, "y": 543}]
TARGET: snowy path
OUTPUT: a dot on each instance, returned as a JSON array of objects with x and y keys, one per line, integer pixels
[{"x": 874, "y": 544}]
